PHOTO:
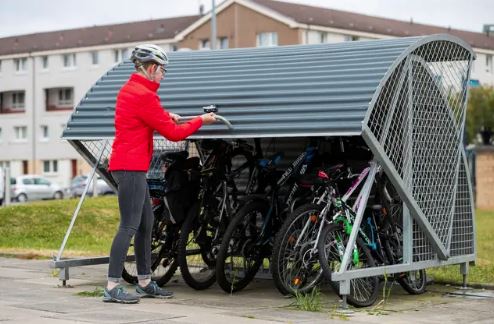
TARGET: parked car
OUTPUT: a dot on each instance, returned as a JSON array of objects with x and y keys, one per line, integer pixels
[
  {"x": 34, "y": 187},
  {"x": 79, "y": 183}
]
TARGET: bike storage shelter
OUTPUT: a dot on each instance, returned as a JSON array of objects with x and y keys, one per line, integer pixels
[{"x": 405, "y": 97}]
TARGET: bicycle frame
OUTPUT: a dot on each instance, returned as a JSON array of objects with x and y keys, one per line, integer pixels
[
  {"x": 301, "y": 164},
  {"x": 332, "y": 200}
]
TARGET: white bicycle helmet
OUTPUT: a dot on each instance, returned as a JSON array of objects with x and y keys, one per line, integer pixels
[{"x": 149, "y": 53}]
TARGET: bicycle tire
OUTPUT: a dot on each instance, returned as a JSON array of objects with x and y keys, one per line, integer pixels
[
  {"x": 163, "y": 263},
  {"x": 236, "y": 245},
  {"x": 299, "y": 278},
  {"x": 193, "y": 252},
  {"x": 363, "y": 291},
  {"x": 414, "y": 282}
]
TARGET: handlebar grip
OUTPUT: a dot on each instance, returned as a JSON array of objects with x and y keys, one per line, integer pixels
[{"x": 218, "y": 117}]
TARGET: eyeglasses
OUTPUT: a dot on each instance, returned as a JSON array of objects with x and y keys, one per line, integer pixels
[{"x": 162, "y": 68}]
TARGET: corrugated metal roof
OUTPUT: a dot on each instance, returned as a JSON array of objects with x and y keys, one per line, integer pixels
[{"x": 303, "y": 90}]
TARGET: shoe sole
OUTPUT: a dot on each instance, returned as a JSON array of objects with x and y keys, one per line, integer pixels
[
  {"x": 154, "y": 296},
  {"x": 120, "y": 301}
]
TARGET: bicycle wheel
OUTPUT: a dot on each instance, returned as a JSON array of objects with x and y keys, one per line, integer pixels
[
  {"x": 242, "y": 166},
  {"x": 294, "y": 267},
  {"x": 195, "y": 251},
  {"x": 413, "y": 282},
  {"x": 240, "y": 254},
  {"x": 163, "y": 261},
  {"x": 331, "y": 247}
]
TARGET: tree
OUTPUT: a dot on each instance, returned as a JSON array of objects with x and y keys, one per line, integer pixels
[{"x": 480, "y": 112}]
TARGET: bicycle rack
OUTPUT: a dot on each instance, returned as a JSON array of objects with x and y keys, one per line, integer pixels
[{"x": 406, "y": 97}]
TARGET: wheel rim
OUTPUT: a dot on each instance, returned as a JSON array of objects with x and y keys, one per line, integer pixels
[
  {"x": 299, "y": 267},
  {"x": 244, "y": 254},
  {"x": 361, "y": 289}
]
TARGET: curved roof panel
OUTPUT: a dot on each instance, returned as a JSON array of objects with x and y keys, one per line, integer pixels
[{"x": 286, "y": 91}]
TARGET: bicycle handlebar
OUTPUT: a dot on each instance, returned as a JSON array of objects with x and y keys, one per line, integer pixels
[{"x": 218, "y": 117}]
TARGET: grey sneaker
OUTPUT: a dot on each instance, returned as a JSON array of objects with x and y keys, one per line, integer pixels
[
  {"x": 152, "y": 290},
  {"x": 119, "y": 295}
]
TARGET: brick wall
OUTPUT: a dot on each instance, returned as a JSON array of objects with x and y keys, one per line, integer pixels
[{"x": 485, "y": 177}]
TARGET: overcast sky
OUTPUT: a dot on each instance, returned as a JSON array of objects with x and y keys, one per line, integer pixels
[{"x": 31, "y": 16}]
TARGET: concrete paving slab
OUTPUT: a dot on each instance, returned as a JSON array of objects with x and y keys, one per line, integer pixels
[{"x": 29, "y": 294}]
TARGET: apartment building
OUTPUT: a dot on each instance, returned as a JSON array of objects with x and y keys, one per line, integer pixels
[{"x": 42, "y": 76}]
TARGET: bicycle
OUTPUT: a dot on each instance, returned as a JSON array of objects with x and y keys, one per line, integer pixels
[
  {"x": 218, "y": 198},
  {"x": 295, "y": 263},
  {"x": 248, "y": 238}
]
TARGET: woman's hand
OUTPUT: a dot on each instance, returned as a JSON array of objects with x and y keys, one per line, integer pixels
[
  {"x": 175, "y": 117},
  {"x": 208, "y": 119}
]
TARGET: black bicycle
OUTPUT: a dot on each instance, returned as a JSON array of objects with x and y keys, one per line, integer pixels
[
  {"x": 224, "y": 170},
  {"x": 250, "y": 234}
]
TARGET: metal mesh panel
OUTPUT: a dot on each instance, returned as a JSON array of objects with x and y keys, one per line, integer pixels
[
  {"x": 161, "y": 145},
  {"x": 418, "y": 120},
  {"x": 462, "y": 240},
  {"x": 90, "y": 150}
]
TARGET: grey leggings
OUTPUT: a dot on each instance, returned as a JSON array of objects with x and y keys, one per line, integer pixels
[{"x": 136, "y": 220}]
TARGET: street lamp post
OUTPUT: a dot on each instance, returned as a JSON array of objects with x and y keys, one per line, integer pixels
[{"x": 213, "y": 25}]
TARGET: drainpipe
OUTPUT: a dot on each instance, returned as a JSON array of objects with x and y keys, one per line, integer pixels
[
  {"x": 34, "y": 113},
  {"x": 213, "y": 25}
]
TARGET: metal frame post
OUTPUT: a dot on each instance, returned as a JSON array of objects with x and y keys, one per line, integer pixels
[
  {"x": 81, "y": 200},
  {"x": 358, "y": 219}
]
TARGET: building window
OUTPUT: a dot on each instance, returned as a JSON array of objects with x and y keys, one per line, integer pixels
[
  {"x": 267, "y": 39},
  {"x": 204, "y": 44},
  {"x": 44, "y": 133},
  {"x": 95, "y": 58},
  {"x": 18, "y": 100},
  {"x": 69, "y": 60},
  {"x": 12, "y": 102},
  {"x": 20, "y": 133},
  {"x": 488, "y": 63},
  {"x": 59, "y": 99},
  {"x": 316, "y": 37},
  {"x": 223, "y": 42},
  {"x": 44, "y": 62},
  {"x": 65, "y": 97},
  {"x": 4, "y": 164},
  {"x": 351, "y": 38},
  {"x": 20, "y": 64},
  {"x": 50, "y": 166},
  {"x": 120, "y": 54}
]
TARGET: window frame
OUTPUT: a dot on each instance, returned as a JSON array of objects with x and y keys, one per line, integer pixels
[
  {"x": 20, "y": 130},
  {"x": 20, "y": 65},
  {"x": 69, "y": 61},
  {"x": 50, "y": 167},
  {"x": 267, "y": 39}
]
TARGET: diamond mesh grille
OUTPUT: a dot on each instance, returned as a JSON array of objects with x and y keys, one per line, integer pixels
[{"x": 418, "y": 120}]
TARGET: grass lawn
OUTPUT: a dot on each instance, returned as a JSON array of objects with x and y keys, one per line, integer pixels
[
  {"x": 37, "y": 229},
  {"x": 483, "y": 272}
]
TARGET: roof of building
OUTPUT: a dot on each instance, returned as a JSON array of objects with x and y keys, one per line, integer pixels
[
  {"x": 326, "y": 17},
  {"x": 169, "y": 27},
  {"x": 96, "y": 36}
]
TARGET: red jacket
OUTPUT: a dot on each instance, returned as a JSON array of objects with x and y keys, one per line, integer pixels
[{"x": 138, "y": 113}]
